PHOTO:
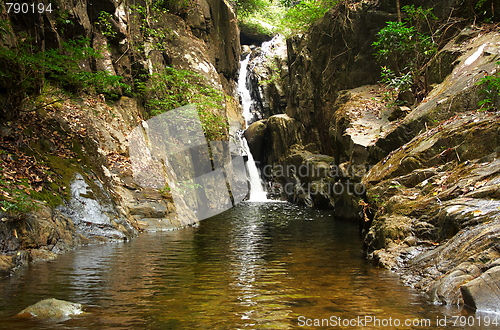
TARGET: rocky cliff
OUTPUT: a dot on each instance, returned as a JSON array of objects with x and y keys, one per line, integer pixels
[
  {"x": 434, "y": 197},
  {"x": 88, "y": 191},
  {"x": 426, "y": 171}
]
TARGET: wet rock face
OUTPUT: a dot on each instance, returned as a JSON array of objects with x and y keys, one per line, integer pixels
[
  {"x": 483, "y": 293},
  {"x": 42, "y": 235},
  {"x": 268, "y": 77},
  {"x": 52, "y": 308},
  {"x": 93, "y": 211}
]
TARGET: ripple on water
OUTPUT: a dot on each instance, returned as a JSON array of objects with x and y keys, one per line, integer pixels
[{"x": 256, "y": 266}]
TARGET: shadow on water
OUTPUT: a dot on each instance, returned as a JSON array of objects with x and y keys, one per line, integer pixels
[{"x": 256, "y": 266}]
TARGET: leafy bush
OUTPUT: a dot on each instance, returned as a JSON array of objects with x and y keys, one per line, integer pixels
[
  {"x": 104, "y": 23},
  {"x": 491, "y": 90},
  {"x": 395, "y": 44},
  {"x": 172, "y": 88},
  {"x": 24, "y": 71},
  {"x": 300, "y": 17},
  {"x": 286, "y": 16},
  {"x": 404, "y": 48},
  {"x": 147, "y": 19},
  {"x": 397, "y": 83}
]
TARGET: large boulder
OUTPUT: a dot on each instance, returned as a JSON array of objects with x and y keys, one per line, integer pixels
[
  {"x": 255, "y": 135},
  {"x": 483, "y": 293},
  {"x": 283, "y": 132},
  {"x": 360, "y": 117}
]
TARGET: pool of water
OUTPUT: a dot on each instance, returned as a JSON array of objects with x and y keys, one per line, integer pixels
[{"x": 256, "y": 266}]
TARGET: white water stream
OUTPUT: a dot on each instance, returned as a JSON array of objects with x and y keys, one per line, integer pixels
[
  {"x": 257, "y": 192},
  {"x": 246, "y": 99}
]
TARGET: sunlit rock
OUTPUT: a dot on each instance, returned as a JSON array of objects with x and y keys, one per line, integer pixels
[
  {"x": 483, "y": 293},
  {"x": 53, "y": 308}
]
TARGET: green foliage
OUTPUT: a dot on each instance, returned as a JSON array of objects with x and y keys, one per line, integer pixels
[
  {"x": 283, "y": 16},
  {"x": 165, "y": 192},
  {"x": 404, "y": 48},
  {"x": 62, "y": 18},
  {"x": 24, "y": 71},
  {"x": 173, "y": 88},
  {"x": 4, "y": 30},
  {"x": 395, "y": 43},
  {"x": 104, "y": 23},
  {"x": 419, "y": 17},
  {"x": 169, "y": 89},
  {"x": 395, "y": 84},
  {"x": 147, "y": 20},
  {"x": 484, "y": 9},
  {"x": 398, "y": 83},
  {"x": 252, "y": 5},
  {"x": 299, "y": 18},
  {"x": 491, "y": 90},
  {"x": 20, "y": 202},
  {"x": 260, "y": 16},
  {"x": 174, "y": 6}
]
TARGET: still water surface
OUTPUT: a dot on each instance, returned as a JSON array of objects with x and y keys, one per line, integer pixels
[{"x": 256, "y": 266}]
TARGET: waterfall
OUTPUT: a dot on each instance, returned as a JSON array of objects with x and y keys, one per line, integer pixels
[
  {"x": 246, "y": 99},
  {"x": 257, "y": 192}
]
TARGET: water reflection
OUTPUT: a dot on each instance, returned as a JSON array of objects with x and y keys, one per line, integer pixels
[
  {"x": 257, "y": 280},
  {"x": 256, "y": 266}
]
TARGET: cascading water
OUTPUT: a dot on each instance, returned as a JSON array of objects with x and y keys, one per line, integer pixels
[
  {"x": 257, "y": 192},
  {"x": 246, "y": 99}
]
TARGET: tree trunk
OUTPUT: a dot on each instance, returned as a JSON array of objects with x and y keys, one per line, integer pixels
[{"x": 398, "y": 7}]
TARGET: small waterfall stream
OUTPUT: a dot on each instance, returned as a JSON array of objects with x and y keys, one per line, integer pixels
[
  {"x": 246, "y": 99},
  {"x": 257, "y": 192}
]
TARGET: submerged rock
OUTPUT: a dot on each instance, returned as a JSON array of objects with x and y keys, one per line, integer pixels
[{"x": 52, "y": 308}]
